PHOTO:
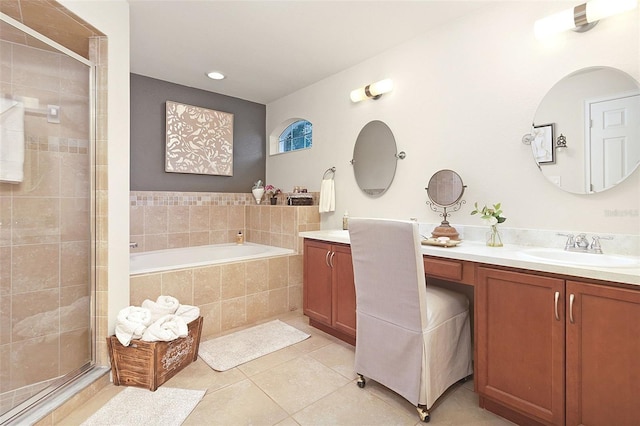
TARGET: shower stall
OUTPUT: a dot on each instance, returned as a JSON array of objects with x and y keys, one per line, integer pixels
[{"x": 47, "y": 218}]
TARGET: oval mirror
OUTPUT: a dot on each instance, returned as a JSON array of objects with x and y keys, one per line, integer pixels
[
  {"x": 596, "y": 112},
  {"x": 374, "y": 158}
]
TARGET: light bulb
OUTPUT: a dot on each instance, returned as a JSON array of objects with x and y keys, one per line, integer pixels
[{"x": 373, "y": 90}]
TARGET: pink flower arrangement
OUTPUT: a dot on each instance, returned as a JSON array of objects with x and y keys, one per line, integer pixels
[{"x": 271, "y": 190}]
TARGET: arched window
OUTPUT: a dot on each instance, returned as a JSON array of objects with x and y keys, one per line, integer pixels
[{"x": 298, "y": 135}]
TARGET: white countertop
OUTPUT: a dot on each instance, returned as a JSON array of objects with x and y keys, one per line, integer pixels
[{"x": 509, "y": 255}]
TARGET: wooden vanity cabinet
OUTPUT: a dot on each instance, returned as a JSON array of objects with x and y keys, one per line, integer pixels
[
  {"x": 603, "y": 355},
  {"x": 557, "y": 352},
  {"x": 520, "y": 344},
  {"x": 329, "y": 289}
]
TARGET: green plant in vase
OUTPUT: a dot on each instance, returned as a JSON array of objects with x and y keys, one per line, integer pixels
[{"x": 492, "y": 216}]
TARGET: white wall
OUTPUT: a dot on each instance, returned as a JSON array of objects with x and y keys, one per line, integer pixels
[
  {"x": 112, "y": 18},
  {"x": 464, "y": 96}
]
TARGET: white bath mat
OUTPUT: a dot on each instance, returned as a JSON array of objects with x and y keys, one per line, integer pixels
[
  {"x": 223, "y": 353},
  {"x": 135, "y": 406}
]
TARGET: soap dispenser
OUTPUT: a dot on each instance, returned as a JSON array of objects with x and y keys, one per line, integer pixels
[
  {"x": 345, "y": 220},
  {"x": 239, "y": 238}
]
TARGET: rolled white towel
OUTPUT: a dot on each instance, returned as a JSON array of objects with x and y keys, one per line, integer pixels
[
  {"x": 131, "y": 323},
  {"x": 188, "y": 312},
  {"x": 164, "y": 305},
  {"x": 165, "y": 329}
]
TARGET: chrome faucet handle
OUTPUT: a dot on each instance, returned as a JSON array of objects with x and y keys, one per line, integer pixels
[
  {"x": 595, "y": 243},
  {"x": 570, "y": 240}
]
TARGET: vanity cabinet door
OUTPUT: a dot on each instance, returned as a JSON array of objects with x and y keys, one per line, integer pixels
[
  {"x": 520, "y": 343},
  {"x": 317, "y": 281},
  {"x": 344, "y": 291},
  {"x": 603, "y": 355},
  {"x": 329, "y": 289}
]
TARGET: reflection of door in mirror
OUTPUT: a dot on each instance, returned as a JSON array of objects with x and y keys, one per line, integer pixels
[
  {"x": 612, "y": 155},
  {"x": 592, "y": 161}
]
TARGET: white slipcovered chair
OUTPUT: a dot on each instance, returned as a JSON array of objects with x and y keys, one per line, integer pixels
[{"x": 413, "y": 339}]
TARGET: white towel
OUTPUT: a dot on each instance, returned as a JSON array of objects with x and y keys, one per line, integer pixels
[
  {"x": 131, "y": 323},
  {"x": 327, "y": 202},
  {"x": 11, "y": 141},
  {"x": 164, "y": 305},
  {"x": 165, "y": 329},
  {"x": 188, "y": 312}
]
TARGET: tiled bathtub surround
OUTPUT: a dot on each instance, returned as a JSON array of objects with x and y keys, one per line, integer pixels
[
  {"x": 229, "y": 295},
  {"x": 233, "y": 294},
  {"x": 161, "y": 220}
]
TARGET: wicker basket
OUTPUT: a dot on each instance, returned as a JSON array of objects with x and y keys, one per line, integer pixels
[{"x": 150, "y": 364}]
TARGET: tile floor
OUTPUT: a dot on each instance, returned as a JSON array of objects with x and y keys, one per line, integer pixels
[{"x": 310, "y": 383}]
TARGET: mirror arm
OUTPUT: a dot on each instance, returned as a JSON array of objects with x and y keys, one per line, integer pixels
[{"x": 401, "y": 155}]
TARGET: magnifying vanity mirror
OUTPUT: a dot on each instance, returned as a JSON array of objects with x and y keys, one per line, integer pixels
[
  {"x": 445, "y": 190},
  {"x": 375, "y": 158},
  {"x": 595, "y": 112}
]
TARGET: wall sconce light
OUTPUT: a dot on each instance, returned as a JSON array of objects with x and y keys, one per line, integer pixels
[
  {"x": 561, "y": 142},
  {"x": 581, "y": 18},
  {"x": 372, "y": 91}
]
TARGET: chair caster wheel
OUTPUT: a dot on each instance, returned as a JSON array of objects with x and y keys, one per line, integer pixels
[
  {"x": 361, "y": 381},
  {"x": 424, "y": 414}
]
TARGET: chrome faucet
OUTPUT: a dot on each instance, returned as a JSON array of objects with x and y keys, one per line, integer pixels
[
  {"x": 133, "y": 245},
  {"x": 580, "y": 243}
]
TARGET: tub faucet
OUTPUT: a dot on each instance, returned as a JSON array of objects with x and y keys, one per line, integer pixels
[{"x": 133, "y": 245}]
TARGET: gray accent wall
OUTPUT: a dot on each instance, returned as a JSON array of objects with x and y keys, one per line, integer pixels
[{"x": 148, "y": 98}]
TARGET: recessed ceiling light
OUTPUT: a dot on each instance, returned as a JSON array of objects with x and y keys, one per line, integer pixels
[{"x": 215, "y": 75}]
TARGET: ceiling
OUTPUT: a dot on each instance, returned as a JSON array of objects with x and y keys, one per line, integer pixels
[{"x": 269, "y": 49}]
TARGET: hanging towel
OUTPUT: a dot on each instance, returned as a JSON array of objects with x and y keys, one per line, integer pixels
[
  {"x": 165, "y": 329},
  {"x": 162, "y": 306},
  {"x": 11, "y": 141},
  {"x": 131, "y": 323},
  {"x": 327, "y": 201}
]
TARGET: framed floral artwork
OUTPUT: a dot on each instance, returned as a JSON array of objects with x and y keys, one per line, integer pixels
[
  {"x": 542, "y": 144},
  {"x": 198, "y": 140}
]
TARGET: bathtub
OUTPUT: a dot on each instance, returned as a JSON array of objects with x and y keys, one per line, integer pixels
[{"x": 190, "y": 257}]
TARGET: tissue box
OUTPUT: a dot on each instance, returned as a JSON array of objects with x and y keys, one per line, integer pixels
[{"x": 150, "y": 364}]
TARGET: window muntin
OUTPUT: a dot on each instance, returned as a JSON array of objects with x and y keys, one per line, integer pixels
[{"x": 298, "y": 135}]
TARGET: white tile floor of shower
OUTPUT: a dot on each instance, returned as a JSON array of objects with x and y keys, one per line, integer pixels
[{"x": 309, "y": 383}]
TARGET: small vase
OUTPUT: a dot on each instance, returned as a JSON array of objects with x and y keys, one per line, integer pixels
[
  {"x": 257, "y": 194},
  {"x": 494, "y": 239},
  {"x": 274, "y": 201}
]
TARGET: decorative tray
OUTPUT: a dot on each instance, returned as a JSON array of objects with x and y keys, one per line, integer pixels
[{"x": 440, "y": 243}]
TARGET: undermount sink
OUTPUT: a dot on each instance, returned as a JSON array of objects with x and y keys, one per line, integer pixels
[{"x": 580, "y": 259}]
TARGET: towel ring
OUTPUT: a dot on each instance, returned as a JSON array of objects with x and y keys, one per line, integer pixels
[{"x": 331, "y": 170}]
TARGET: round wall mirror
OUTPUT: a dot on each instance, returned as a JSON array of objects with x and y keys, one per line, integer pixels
[
  {"x": 445, "y": 191},
  {"x": 375, "y": 158},
  {"x": 595, "y": 112}
]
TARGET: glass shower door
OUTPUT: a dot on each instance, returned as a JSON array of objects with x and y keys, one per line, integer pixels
[{"x": 46, "y": 198}]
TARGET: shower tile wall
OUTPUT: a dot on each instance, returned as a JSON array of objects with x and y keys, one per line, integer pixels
[{"x": 44, "y": 225}]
